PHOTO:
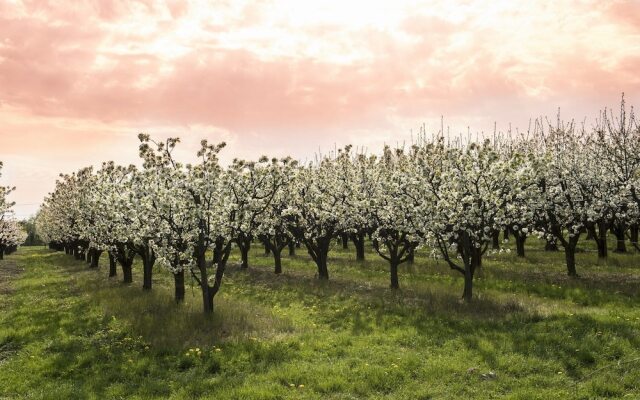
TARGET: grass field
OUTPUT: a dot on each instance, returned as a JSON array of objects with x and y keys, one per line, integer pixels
[{"x": 67, "y": 332}]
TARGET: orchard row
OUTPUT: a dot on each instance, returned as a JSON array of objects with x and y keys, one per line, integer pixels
[{"x": 449, "y": 197}]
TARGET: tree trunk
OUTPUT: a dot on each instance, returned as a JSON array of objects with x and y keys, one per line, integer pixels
[
  {"x": 113, "y": 270},
  {"x": 1, "y": 254},
  {"x": 292, "y": 248},
  {"x": 210, "y": 295},
  {"x": 277, "y": 259},
  {"x": 323, "y": 271},
  {"x": 207, "y": 291},
  {"x": 207, "y": 297},
  {"x": 621, "y": 246},
  {"x": 467, "y": 294},
  {"x": 411, "y": 255},
  {"x": 570, "y": 257},
  {"x": 520, "y": 239},
  {"x": 394, "y": 274},
  {"x": 147, "y": 274},
  {"x": 601, "y": 241},
  {"x": 319, "y": 250},
  {"x": 474, "y": 260},
  {"x": 95, "y": 258},
  {"x": 495, "y": 240},
  {"x": 244, "y": 252},
  {"x": 89, "y": 257},
  {"x": 201, "y": 262},
  {"x": 178, "y": 279},
  {"x": 345, "y": 240},
  {"x": 217, "y": 249},
  {"x": 505, "y": 233},
  {"x": 127, "y": 273},
  {"x": 358, "y": 242},
  {"x": 267, "y": 250},
  {"x": 633, "y": 234}
]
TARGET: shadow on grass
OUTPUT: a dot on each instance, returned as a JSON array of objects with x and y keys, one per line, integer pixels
[
  {"x": 430, "y": 301},
  {"x": 167, "y": 325}
]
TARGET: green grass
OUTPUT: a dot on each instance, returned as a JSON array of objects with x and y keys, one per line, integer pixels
[{"x": 67, "y": 332}]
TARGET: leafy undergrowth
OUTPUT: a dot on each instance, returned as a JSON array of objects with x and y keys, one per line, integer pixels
[{"x": 531, "y": 333}]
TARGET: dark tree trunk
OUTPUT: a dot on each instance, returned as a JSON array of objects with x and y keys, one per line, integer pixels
[
  {"x": 267, "y": 250},
  {"x": 208, "y": 291},
  {"x": 277, "y": 259},
  {"x": 319, "y": 250},
  {"x": 178, "y": 279},
  {"x": 619, "y": 231},
  {"x": 520, "y": 239},
  {"x": 505, "y": 233},
  {"x": 95, "y": 258},
  {"x": 467, "y": 294},
  {"x": 570, "y": 257},
  {"x": 147, "y": 275},
  {"x": 148, "y": 260},
  {"x": 113, "y": 270},
  {"x": 411, "y": 255},
  {"x": 207, "y": 298},
  {"x": 1, "y": 254},
  {"x": 393, "y": 269},
  {"x": 344, "y": 238},
  {"x": 127, "y": 273},
  {"x": 469, "y": 271},
  {"x": 590, "y": 235},
  {"x": 633, "y": 234},
  {"x": 89, "y": 257},
  {"x": 244, "y": 252},
  {"x": 600, "y": 237},
  {"x": 495, "y": 240},
  {"x": 358, "y": 242},
  {"x": 217, "y": 251},
  {"x": 292, "y": 248},
  {"x": 207, "y": 295},
  {"x": 472, "y": 258},
  {"x": 244, "y": 244},
  {"x": 477, "y": 259},
  {"x": 323, "y": 270}
]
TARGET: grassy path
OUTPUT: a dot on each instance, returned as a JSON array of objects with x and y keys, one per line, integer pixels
[{"x": 70, "y": 332}]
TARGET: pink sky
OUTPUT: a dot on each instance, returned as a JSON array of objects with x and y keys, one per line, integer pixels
[{"x": 79, "y": 81}]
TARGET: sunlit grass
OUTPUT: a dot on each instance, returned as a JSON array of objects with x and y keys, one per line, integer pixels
[{"x": 531, "y": 333}]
